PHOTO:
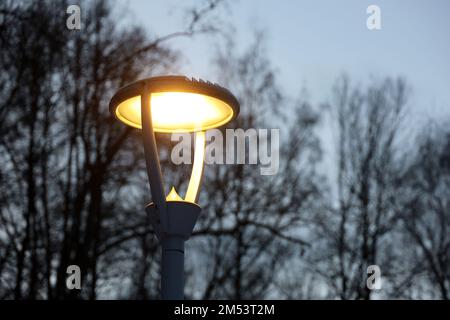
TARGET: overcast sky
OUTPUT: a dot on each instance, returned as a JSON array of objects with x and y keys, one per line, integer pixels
[{"x": 311, "y": 42}]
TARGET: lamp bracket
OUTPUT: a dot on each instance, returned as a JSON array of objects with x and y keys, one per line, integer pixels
[{"x": 181, "y": 217}]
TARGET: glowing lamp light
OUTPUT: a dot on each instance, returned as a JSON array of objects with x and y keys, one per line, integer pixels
[
  {"x": 173, "y": 104},
  {"x": 177, "y": 112}
]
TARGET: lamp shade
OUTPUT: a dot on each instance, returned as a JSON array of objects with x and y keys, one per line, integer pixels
[{"x": 178, "y": 104}]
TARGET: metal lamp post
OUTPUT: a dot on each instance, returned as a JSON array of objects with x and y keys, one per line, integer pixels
[{"x": 171, "y": 104}]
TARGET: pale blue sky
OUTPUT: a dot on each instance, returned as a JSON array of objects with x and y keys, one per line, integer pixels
[{"x": 311, "y": 42}]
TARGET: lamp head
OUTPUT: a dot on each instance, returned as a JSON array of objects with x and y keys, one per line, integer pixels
[{"x": 178, "y": 104}]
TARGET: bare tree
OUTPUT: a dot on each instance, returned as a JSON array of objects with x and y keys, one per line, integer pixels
[
  {"x": 73, "y": 184},
  {"x": 353, "y": 232},
  {"x": 426, "y": 214},
  {"x": 65, "y": 160},
  {"x": 250, "y": 223}
]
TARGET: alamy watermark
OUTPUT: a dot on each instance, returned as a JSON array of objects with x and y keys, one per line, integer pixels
[
  {"x": 238, "y": 146},
  {"x": 73, "y": 280},
  {"x": 373, "y": 281},
  {"x": 373, "y": 21},
  {"x": 73, "y": 22}
]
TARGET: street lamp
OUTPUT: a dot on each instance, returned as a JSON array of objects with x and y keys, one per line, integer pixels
[{"x": 173, "y": 104}]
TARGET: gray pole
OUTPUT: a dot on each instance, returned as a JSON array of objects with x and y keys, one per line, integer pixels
[
  {"x": 182, "y": 216},
  {"x": 172, "y": 268}
]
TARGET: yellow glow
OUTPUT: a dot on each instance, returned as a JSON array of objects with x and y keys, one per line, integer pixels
[
  {"x": 173, "y": 195},
  {"x": 177, "y": 112},
  {"x": 197, "y": 167}
]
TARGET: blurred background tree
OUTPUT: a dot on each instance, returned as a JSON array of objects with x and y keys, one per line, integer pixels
[{"x": 73, "y": 184}]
